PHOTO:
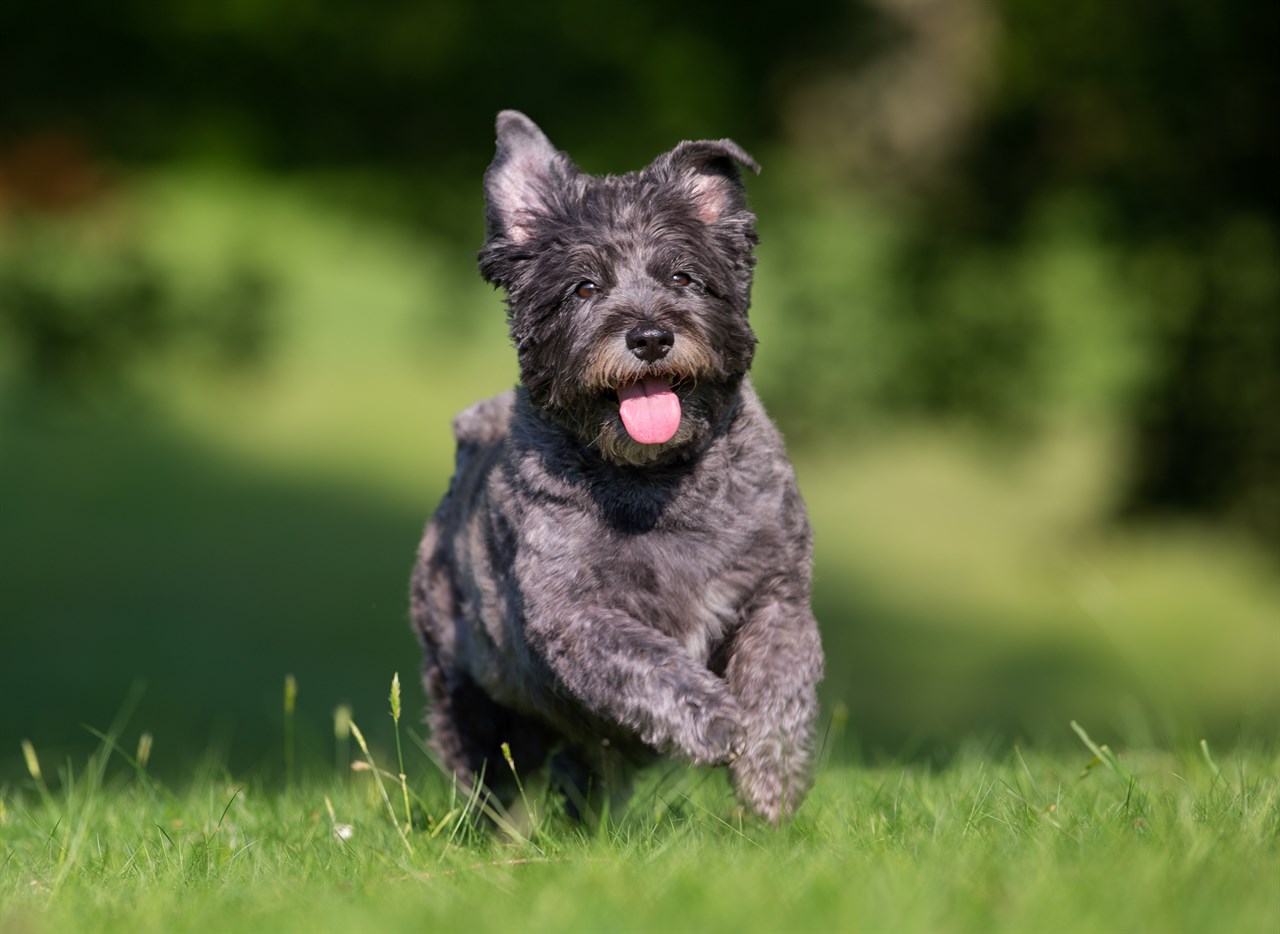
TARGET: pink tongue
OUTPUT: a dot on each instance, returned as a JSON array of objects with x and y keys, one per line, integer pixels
[{"x": 650, "y": 410}]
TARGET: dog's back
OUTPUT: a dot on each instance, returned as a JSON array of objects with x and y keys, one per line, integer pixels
[{"x": 483, "y": 424}]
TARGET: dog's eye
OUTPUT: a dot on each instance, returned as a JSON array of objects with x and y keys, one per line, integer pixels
[
  {"x": 586, "y": 290},
  {"x": 681, "y": 279}
]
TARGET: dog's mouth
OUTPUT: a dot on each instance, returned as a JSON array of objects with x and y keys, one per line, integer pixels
[{"x": 650, "y": 410}]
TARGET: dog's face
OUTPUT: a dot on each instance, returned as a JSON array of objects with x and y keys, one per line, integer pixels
[{"x": 628, "y": 295}]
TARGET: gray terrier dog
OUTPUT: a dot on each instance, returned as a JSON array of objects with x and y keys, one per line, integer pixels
[{"x": 621, "y": 566}]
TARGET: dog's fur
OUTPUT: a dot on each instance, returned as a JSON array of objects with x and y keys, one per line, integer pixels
[{"x": 591, "y": 600}]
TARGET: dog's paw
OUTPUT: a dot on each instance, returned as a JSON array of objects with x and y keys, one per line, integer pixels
[
  {"x": 726, "y": 739},
  {"x": 720, "y": 734},
  {"x": 771, "y": 777}
]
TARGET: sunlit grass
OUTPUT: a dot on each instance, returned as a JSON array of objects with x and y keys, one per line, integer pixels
[
  {"x": 380, "y": 335},
  {"x": 1029, "y": 598},
  {"x": 1087, "y": 839}
]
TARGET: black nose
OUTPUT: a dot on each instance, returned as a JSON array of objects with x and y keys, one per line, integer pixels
[{"x": 650, "y": 342}]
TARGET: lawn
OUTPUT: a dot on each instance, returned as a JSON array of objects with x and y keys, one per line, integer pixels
[
  {"x": 1179, "y": 840},
  {"x": 205, "y": 531}
]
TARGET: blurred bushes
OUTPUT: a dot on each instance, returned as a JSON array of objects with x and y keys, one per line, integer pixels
[
  {"x": 1159, "y": 111},
  {"x": 889, "y": 324},
  {"x": 1206, "y": 436},
  {"x": 1085, "y": 210},
  {"x": 405, "y": 85},
  {"x": 77, "y": 317},
  {"x": 986, "y": 211}
]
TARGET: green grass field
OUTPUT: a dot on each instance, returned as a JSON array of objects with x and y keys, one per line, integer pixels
[
  {"x": 1144, "y": 841},
  {"x": 206, "y": 531}
]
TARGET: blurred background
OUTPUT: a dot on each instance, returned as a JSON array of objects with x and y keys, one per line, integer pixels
[{"x": 1018, "y": 304}]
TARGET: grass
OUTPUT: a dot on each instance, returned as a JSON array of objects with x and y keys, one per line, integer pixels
[
  {"x": 234, "y": 527},
  {"x": 1085, "y": 841}
]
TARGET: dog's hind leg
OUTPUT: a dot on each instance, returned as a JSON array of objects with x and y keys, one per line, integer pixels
[
  {"x": 595, "y": 787},
  {"x": 468, "y": 730}
]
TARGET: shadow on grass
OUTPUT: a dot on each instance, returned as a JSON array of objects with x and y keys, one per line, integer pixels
[
  {"x": 130, "y": 554},
  {"x": 915, "y": 688},
  {"x": 924, "y": 688}
]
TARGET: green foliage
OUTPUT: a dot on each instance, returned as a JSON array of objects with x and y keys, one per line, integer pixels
[
  {"x": 934, "y": 268},
  {"x": 887, "y": 325},
  {"x": 80, "y": 311}
]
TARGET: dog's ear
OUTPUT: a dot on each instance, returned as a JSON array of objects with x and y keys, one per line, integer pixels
[
  {"x": 710, "y": 169},
  {"x": 521, "y": 182}
]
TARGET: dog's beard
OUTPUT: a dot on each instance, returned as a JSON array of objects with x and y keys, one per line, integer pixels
[
  {"x": 597, "y": 421},
  {"x": 616, "y": 443},
  {"x": 687, "y": 385}
]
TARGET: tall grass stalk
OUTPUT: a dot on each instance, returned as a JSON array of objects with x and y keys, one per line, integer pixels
[
  {"x": 1102, "y": 753},
  {"x": 342, "y": 741},
  {"x": 290, "y": 704},
  {"x": 145, "y": 742},
  {"x": 34, "y": 770},
  {"x": 84, "y": 801},
  {"x": 377, "y": 777},
  {"x": 395, "y": 719}
]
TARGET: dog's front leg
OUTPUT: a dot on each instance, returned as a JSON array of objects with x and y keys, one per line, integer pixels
[
  {"x": 622, "y": 670},
  {"x": 773, "y": 671}
]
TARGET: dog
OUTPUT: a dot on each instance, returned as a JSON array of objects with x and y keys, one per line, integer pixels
[{"x": 620, "y": 569}]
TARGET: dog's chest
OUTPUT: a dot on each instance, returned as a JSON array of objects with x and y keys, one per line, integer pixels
[
  {"x": 714, "y": 610},
  {"x": 694, "y": 592}
]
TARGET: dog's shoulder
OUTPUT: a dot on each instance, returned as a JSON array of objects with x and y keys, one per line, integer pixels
[
  {"x": 754, "y": 439},
  {"x": 486, "y": 422},
  {"x": 481, "y": 431}
]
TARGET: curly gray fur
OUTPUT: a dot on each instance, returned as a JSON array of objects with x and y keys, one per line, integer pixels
[{"x": 590, "y": 600}]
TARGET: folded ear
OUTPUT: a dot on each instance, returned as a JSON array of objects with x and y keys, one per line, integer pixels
[
  {"x": 520, "y": 183},
  {"x": 711, "y": 170}
]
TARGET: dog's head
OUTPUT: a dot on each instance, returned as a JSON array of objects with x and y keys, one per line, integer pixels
[{"x": 627, "y": 295}]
